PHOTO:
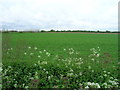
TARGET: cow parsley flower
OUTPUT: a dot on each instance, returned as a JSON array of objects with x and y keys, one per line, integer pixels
[
  {"x": 40, "y": 51},
  {"x": 25, "y": 53},
  {"x": 31, "y": 53},
  {"x": 87, "y": 87},
  {"x": 64, "y": 49},
  {"x": 89, "y": 67},
  {"x": 35, "y": 48},
  {"x": 80, "y": 73},
  {"x": 44, "y": 50},
  {"x": 49, "y": 77},
  {"x": 29, "y": 47},
  {"x": 39, "y": 56}
]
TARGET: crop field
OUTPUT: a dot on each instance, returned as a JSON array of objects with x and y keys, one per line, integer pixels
[{"x": 60, "y": 60}]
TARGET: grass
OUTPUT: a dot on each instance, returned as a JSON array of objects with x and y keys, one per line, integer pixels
[
  {"x": 55, "y": 42},
  {"x": 60, "y": 60}
]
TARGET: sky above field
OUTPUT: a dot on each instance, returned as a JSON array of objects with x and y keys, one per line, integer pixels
[{"x": 59, "y": 14}]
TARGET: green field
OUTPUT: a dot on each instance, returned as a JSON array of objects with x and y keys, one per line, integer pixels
[{"x": 60, "y": 60}]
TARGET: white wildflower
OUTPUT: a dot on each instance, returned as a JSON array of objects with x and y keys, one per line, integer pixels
[
  {"x": 44, "y": 50},
  {"x": 15, "y": 85},
  {"x": 40, "y": 51},
  {"x": 39, "y": 56},
  {"x": 105, "y": 75},
  {"x": 25, "y": 53},
  {"x": 93, "y": 59},
  {"x": 38, "y": 62},
  {"x": 111, "y": 77},
  {"x": 97, "y": 55},
  {"x": 35, "y": 64},
  {"x": 104, "y": 71},
  {"x": 31, "y": 53},
  {"x": 46, "y": 72},
  {"x": 35, "y": 48},
  {"x": 86, "y": 87},
  {"x": 9, "y": 67},
  {"x": 92, "y": 70},
  {"x": 64, "y": 49},
  {"x": 36, "y": 75},
  {"x": 108, "y": 72},
  {"x": 48, "y": 54},
  {"x": 44, "y": 62},
  {"x": 89, "y": 83},
  {"x": 44, "y": 69},
  {"x": 1, "y": 69},
  {"x": 89, "y": 67},
  {"x": 70, "y": 74},
  {"x": 26, "y": 87},
  {"x": 98, "y": 86},
  {"x": 71, "y": 70},
  {"x": 49, "y": 77},
  {"x": 80, "y": 73},
  {"x": 29, "y": 47},
  {"x": 77, "y": 53}
]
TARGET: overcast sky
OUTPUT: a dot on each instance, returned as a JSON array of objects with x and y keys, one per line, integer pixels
[{"x": 59, "y": 14}]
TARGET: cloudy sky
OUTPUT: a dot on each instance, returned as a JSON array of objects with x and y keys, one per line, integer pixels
[{"x": 59, "y": 14}]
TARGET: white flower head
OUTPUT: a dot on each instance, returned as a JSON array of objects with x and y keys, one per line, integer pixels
[
  {"x": 44, "y": 62},
  {"x": 89, "y": 67},
  {"x": 35, "y": 64},
  {"x": 93, "y": 59},
  {"x": 39, "y": 56},
  {"x": 89, "y": 83},
  {"x": 108, "y": 72},
  {"x": 92, "y": 70},
  {"x": 26, "y": 87},
  {"x": 80, "y": 73},
  {"x": 71, "y": 70},
  {"x": 105, "y": 75},
  {"x": 1, "y": 69},
  {"x": 29, "y": 47},
  {"x": 46, "y": 72},
  {"x": 31, "y": 53},
  {"x": 40, "y": 51},
  {"x": 104, "y": 71},
  {"x": 64, "y": 49},
  {"x": 44, "y": 50},
  {"x": 25, "y": 53},
  {"x": 87, "y": 87},
  {"x": 97, "y": 55},
  {"x": 49, "y": 77},
  {"x": 47, "y": 53},
  {"x": 35, "y": 48}
]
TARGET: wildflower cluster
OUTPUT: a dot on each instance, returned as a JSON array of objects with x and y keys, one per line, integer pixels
[{"x": 59, "y": 72}]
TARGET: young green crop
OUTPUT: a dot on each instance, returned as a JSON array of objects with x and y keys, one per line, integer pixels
[{"x": 60, "y": 60}]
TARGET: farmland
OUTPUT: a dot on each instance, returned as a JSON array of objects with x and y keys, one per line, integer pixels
[{"x": 60, "y": 60}]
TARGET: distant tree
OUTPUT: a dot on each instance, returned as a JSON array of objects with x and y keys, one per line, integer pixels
[
  {"x": 69, "y": 30},
  {"x": 42, "y": 30},
  {"x": 52, "y": 30},
  {"x": 98, "y": 31},
  {"x": 107, "y": 31}
]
